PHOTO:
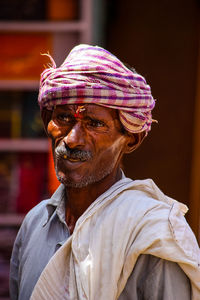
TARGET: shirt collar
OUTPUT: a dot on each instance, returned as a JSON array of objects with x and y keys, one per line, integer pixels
[{"x": 57, "y": 204}]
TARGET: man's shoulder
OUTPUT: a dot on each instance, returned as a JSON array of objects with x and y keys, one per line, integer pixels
[
  {"x": 40, "y": 207},
  {"x": 143, "y": 193},
  {"x": 150, "y": 209},
  {"x": 141, "y": 199},
  {"x": 37, "y": 214},
  {"x": 146, "y": 191}
]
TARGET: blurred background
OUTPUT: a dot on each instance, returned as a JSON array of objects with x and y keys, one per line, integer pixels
[{"x": 159, "y": 38}]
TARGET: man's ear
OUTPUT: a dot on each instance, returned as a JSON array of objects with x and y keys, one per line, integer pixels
[{"x": 134, "y": 140}]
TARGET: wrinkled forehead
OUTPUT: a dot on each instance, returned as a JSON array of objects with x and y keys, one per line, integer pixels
[{"x": 94, "y": 110}]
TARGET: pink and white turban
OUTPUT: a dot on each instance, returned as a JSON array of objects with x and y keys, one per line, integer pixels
[{"x": 93, "y": 75}]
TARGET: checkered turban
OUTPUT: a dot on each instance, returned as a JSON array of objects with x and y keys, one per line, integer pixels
[{"x": 93, "y": 75}]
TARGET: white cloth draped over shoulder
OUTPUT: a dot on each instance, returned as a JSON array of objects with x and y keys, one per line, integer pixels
[{"x": 129, "y": 219}]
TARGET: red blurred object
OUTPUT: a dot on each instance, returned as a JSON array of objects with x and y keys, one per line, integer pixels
[
  {"x": 53, "y": 182},
  {"x": 31, "y": 180}
]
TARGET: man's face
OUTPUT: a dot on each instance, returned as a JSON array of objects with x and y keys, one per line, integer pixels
[{"x": 87, "y": 143}]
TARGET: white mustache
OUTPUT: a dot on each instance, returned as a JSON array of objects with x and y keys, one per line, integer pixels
[{"x": 74, "y": 154}]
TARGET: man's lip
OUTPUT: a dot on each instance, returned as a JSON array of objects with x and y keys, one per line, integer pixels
[
  {"x": 72, "y": 160},
  {"x": 70, "y": 165}
]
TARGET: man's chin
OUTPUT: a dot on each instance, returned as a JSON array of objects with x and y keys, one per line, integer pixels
[
  {"x": 75, "y": 183},
  {"x": 83, "y": 181}
]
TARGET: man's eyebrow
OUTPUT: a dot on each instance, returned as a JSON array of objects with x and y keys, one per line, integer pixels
[
  {"x": 64, "y": 110},
  {"x": 95, "y": 117},
  {"x": 92, "y": 114}
]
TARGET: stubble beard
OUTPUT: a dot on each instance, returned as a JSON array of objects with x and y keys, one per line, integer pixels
[{"x": 87, "y": 179}]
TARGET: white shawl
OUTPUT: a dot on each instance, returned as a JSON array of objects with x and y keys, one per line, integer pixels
[{"x": 129, "y": 219}]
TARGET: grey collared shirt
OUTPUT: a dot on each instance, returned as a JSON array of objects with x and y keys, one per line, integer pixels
[{"x": 44, "y": 230}]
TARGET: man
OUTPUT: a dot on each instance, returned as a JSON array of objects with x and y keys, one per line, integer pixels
[{"x": 101, "y": 235}]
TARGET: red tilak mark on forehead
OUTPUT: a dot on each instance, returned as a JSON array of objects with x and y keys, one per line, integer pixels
[{"x": 78, "y": 111}]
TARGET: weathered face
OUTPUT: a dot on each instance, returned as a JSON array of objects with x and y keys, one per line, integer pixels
[{"x": 87, "y": 143}]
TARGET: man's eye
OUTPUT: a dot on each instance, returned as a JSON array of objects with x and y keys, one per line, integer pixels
[
  {"x": 95, "y": 123},
  {"x": 64, "y": 118}
]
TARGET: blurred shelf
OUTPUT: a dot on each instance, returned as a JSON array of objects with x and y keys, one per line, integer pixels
[
  {"x": 31, "y": 145},
  {"x": 30, "y": 85},
  {"x": 11, "y": 219},
  {"x": 63, "y": 36},
  {"x": 43, "y": 26}
]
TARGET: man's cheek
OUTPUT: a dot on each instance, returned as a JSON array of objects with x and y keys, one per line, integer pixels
[{"x": 53, "y": 130}]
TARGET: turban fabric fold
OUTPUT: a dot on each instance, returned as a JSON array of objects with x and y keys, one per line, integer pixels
[{"x": 92, "y": 75}]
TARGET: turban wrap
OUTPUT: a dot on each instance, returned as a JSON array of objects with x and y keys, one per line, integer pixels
[{"x": 92, "y": 75}]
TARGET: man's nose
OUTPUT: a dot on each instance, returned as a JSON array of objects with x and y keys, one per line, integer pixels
[{"x": 75, "y": 138}]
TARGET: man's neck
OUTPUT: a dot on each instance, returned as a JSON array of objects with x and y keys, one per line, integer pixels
[{"x": 79, "y": 199}]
